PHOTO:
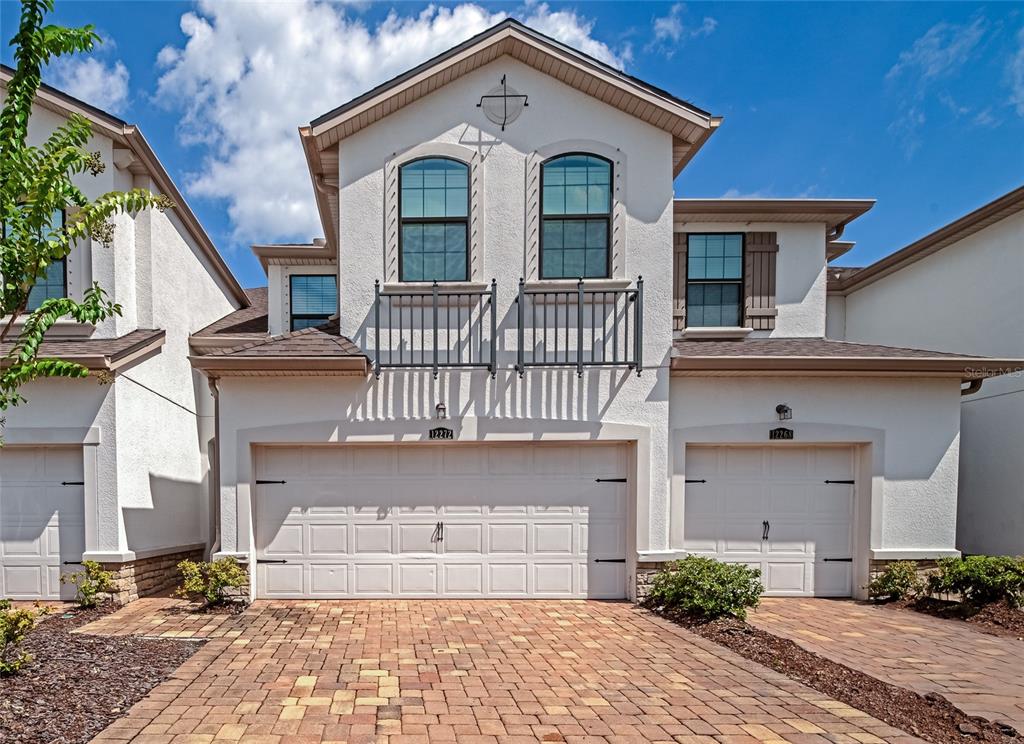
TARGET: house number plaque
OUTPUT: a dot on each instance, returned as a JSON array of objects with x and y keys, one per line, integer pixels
[
  {"x": 441, "y": 432},
  {"x": 780, "y": 433}
]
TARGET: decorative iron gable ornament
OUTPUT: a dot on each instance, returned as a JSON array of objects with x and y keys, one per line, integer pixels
[
  {"x": 780, "y": 433},
  {"x": 503, "y": 104},
  {"x": 441, "y": 432}
]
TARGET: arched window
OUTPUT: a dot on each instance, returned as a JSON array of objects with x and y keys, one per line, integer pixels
[
  {"x": 433, "y": 220},
  {"x": 576, "y": 211}
]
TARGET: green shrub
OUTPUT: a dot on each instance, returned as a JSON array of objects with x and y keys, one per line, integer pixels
[
  {"x": 706, "y": 588},
  {"x": 15, "y": 625},
  {"x": 981, "y": 579},
  {"x": 90, "y": 582},
  {"x": 209, "y": 580},
  {"x": 897, "y": 581}
]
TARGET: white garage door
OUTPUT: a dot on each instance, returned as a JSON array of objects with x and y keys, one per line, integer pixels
[
  {"x": 42, "y": 506},
  {"x": 516, "y": 520},
  {"x": 771, "y": 508}
]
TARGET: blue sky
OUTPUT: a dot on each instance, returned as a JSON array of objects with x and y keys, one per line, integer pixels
[{"x": 918, "y": 105}]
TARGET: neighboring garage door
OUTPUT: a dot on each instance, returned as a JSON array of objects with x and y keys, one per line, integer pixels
[
  {"x": 771, "y": 508},
  {"x": 41, "y": 519},
  {"x": 460, "y": 520}
]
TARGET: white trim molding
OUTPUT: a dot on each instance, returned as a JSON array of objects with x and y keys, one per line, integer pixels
[
  {"x": 474, "y": 161},
  {"x": 617, "y": 239}
]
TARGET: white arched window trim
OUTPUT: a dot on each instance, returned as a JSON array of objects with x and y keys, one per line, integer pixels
[
  {"x": 617, "y": 244},
  {"x": 391, "y": 204}
]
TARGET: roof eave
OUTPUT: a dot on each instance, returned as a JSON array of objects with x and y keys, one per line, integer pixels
[
  {"x": 964, "y": 368},
  {"x": 214, "y": 364},
  {"x": 934, "y": 241}
]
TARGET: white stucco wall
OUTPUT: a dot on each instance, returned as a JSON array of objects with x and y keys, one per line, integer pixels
[
  {"x": 550, "y": 403},
  {"x": 835, "y": 317},
  {"x": 967, "y": 298},
  {"x": 911, "y": 429},
  {"x": 150, "y": 488},
  {"x": 162, "y": 463},
  {"x": 799, "y": 277}
]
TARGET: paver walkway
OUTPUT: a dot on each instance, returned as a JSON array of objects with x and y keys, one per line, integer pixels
[
  {"x": 981, "y": 674},
  {"x": 474, "y": 672}
]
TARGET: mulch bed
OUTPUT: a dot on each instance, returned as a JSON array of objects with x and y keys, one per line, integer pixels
[
  {"x": 997, "y": 618},
  {"x": 930, "y": 717},
  {"x": 78, "y": 684}
]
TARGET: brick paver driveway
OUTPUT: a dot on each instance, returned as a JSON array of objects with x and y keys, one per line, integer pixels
[
  {"x": 981, "y": 674},
  {"x": 481, "y": 671}
]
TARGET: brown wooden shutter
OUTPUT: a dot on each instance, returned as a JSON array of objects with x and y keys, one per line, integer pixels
[
  {"x": 761, "y": 250},
  {"x": 679, "y": 281}
]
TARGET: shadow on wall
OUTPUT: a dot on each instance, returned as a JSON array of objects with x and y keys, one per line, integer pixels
[{"x": 175, "y": 517}]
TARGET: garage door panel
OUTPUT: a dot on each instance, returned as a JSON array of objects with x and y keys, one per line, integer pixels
[
  {"x": 507, "y": 538},
  {"x": 517, "y": 521},
  {"x": 327, "y": 539},
  {"x": 327, "y": 579},
  {"x": 417, "y": 538},
  {"x": 789, "y": 499},
  {"x": 784, "y": 486},
  {"x": 281, "y": 580},
  {"x": 288, "y": 540},
  {"x": 745, "y": 498},
  {"x": 373, "y": 538},
  {"x": 417, "y": 578},
  {"x": 553, "y": 538},
  {"x": 41, "y": 520},
  {"x": 464, "y": 578},
  {"x": 508, "y": 578},
  {"x": 553, "y": 579},
  {"x": 787, "y": 577},
  {"x": 374, "y": 578},
  {"x": 463, "y": 538},
  {"x": 832, "y": 579}
]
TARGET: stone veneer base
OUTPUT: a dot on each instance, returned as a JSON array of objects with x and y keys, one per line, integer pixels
[{"x": 145, "y": 576}]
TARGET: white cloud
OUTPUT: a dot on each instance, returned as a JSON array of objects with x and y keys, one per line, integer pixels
[
  {"x": 91, "y": 80},
  {"x": 672, "y": 29},
  {"x": 943, "y": 49},
  {"x": 936, "y": 56},
  {"x": 1016, "y": 74},
  {"x": 251, "y": 73}
]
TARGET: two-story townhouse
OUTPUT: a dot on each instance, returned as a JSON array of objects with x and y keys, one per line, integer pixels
[
  {"x": 959, "y": 287},
  {"x": 114, "y": 468},
  {"x": 517, "y": 366}
]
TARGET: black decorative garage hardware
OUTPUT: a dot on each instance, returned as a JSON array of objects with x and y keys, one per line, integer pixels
[
  {"x": 270, "y": 482},
  {"x": 581, "y": 327},
  {"x": 609, "y": 480},
  {"x": 840, "y": 482},
  {"x": 434, "y": 328}
]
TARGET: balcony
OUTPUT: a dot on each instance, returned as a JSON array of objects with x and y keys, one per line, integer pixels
[
  {"x": 434, "y": 328},
  {"x": 580, "y": 327}
]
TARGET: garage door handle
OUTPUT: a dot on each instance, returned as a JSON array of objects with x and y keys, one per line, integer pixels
[
  {"x": 267, "y": 560},
  {"x": 840, "y": 482},
  {"x": 838, "y": 560},
  {"x": 765, "y": 529},
  {"x": 609, "y": 560}
]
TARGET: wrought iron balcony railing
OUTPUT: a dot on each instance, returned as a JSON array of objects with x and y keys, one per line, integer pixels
[
  {"x": 581, "y": 327},
  {"x": 435, "y": 328}
]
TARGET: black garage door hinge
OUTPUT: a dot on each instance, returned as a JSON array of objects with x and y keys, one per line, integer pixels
[
  {"x": 269, "y": 482},
  {"x": 72, "y": 483},
  {"x": 838, "y": 560},
  {"x": 841, "y": 482},
  {"x": 694, "y": 480},
  {"x": 609, "y": 480},
  {"x": 609, "y": 560},
  {"x": 269, "y": 560},
  {"x": 72, "y": 563}
]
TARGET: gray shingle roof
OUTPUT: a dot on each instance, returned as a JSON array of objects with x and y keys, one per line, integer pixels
[
  {"x": 92, "y": 350},
  {"x": 248, "y": 321},
  {"x": 801, "y": 347}
]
